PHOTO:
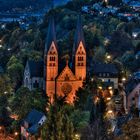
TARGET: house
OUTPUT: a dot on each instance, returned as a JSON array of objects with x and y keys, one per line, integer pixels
[
  {"x": 135, "y": 5},
  {"x": 108, "y": 73},
  {"x": 61, "y": 76},
  {"x": 31, "y": 124},
  {"x": 133, "y": 93},
  {"x": 33, "y": 74}
]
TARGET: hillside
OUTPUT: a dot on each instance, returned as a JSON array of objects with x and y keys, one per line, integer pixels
[
  {"x": 9, "y": 4},
  {"x": 32, "y": 4}
]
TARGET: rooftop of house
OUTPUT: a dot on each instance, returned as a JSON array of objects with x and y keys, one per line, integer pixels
[
  {"x": 104, "y": 68},
  {"x": 120, "y": 121},
  {"x": 33, "y": 119},
  {"x": 131, "y": 85},
  {"x": 36, "y": 68}
]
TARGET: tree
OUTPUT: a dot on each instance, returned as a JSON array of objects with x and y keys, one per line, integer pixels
[
  {"x": 5, "y": 85},
  {"x": 129, "y": 61},
  {"x": 120, "y": 43},
  {"x": 4, "y": 119},
  {"x": 24, "y": 100},
  {"x": 131, "y": 130},
  {"x": 15, "y": 71},
  {"x": 80, "y": 119},
  {"x": 58, "y": 125},
  {"x": 115, "y": 2}
]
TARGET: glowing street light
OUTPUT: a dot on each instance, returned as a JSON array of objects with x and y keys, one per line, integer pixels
[
  {"x": 110, "y": 88},
  {"x": 111, "y": 92},
  {"x": 9, "y": 49},
  {"x": 1, "y": 46},
  {"x": 5, "y": 92},
  {"x": 77, "y": 137},
  {"x": 123, "y": 79},
  {"x": 16, "y": 133},
  {"x": 100, "y": 87},
  {"x": 108, "y": 57},
  {"x": 108, "y": 99},
  {"x": 110, "y": 112}
]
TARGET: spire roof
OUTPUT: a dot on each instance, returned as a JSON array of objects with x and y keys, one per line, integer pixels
[
  {"x": 79, "y": 35},
  {"x": 51, "y": 36}
]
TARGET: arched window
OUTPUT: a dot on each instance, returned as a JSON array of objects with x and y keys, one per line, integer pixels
[
  {"x": 36, "y": 84},
  {"x": 52, "y": 58},
  {"x": 26, "y": 82},
  {"x": 67, "y": 77},
  {"x": 80, "y": 58}
]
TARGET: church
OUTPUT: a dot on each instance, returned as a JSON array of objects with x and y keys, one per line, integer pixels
[{"x": 53, "y": 74}]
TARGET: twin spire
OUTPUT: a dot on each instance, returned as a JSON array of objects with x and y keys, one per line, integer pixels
[
  {"x": 79, "y": 35},
  {"x": 51, "y": 36}
]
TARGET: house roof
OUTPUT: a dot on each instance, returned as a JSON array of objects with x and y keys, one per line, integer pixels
[
  {"x": 130, "y": 85},
  {"x": 33, "y": 118},
  {"x": 120, "y": 122},
  {"x": 51, "y": 36},
  {"x": 104, "y": 68},
  {"x": 36, "y": 68}
]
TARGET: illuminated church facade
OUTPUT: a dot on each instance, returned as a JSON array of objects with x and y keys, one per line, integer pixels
[{"x": 53, "y": 74}]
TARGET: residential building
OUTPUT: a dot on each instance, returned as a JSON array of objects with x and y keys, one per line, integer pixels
[
  {"x": 108, "y": 73},
  {"x": 31, "y": 124}
]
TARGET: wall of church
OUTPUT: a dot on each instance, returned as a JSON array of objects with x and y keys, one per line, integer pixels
[
  {"x": 68, "y": 88},
  {"x": 37, "y": 82},
  {"x": 50, "y": 89}
]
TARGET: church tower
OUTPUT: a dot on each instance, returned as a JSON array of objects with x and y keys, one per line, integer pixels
[
  {"x": 51, "y": 60},
  {"x": 79, "y": 52}
]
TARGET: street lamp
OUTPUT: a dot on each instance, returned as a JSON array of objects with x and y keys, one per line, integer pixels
[
  {"x": 16, "y": 133},
  {"x": 123, "y": 79},
  {"x": 108, "y": 99},
  {"x": 77, "y": 137},
  {"x": 108, "y": 57},
  {"x": 100, "y": 87},
  {"x": 5, "y": 92},
  {"x": 110, "y": 88},
  {"x": 110, "y": 112}
]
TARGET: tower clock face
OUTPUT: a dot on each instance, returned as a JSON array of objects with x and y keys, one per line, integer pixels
[{"x": 66, "y": 88}]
